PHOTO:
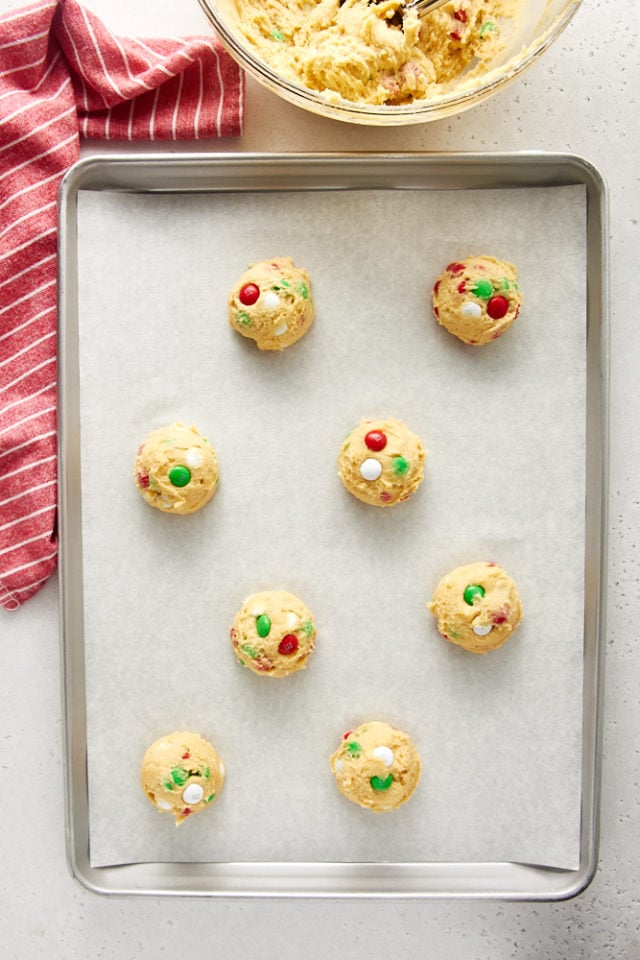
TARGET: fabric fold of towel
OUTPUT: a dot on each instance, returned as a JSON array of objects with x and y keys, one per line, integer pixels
[{"x": 64, "y": 76}]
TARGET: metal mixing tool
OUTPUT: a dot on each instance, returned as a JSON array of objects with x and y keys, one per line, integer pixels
[{"x": 423, "y": 7}]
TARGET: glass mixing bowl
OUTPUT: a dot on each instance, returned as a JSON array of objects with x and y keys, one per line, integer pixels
[{"x": 535, "y": 27}]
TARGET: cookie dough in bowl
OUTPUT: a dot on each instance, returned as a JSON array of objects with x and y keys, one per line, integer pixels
[
  {"x": 182, "y": 774},
  {"x": 271, "y": 303},
  {"x": 376, "y": 766},
  {"x": 374, "y": 51},
  {"x": 381, "y": 462},
  {"x": 477, "y": 606},
  {"x": 176, "y": 469},
  {"x": 477, "y": 299},
  {"x": 273, "y": 633}
]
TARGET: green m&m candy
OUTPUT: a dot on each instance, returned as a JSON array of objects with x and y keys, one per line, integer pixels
[
  {"x": 472, "y": 593},
  {"x": 179, "y": 476},
  {"x": 381, "y": 783},
  {"x": 482, "y": 289},
  {"x": 179, "y": 776},
  {"x": 400, "y": 465},
  {"x": 263, "y": 625}
]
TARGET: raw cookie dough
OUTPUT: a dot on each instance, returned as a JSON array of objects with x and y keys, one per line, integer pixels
[
  {"x": 381, "y": 462},
  {"x": 271, "y": 303},
  {"x": 370, "y": 51},
  {"x": 477, "y": 606},
  {"x": 181, "y": 774},
  {"x": 376, "y": 766},
  {"x": 477, "y": 299},
  {"x": 176, "y": 469},
  {"x": 273, "y": 633}
]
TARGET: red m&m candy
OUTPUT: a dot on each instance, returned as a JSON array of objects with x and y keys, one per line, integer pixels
[
  {"x": 249, "y": 294},
  {"x": 375, "y": 440},
  {"x": 497, "y": 307},
  {"x": 288, "y": 644},
  {"x": 455, "y": 268}
]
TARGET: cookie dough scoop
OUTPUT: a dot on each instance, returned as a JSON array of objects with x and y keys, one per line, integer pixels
[
  {"x": 182, "y": 774},
  {"x": 273, "y": 633},
  {"x": 477, "y": 299},
  {"x": 176, "y": 469},
  {"x": 376, "y": 766},
  {"x": 477, "y": 606},
  {"x": 271, "y": 303},
  {"x": 381, "y": 462}
]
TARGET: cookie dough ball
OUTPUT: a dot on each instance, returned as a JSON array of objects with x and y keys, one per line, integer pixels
[
  {"x": 477, "y": 299},
  {"x": 376, "y": 766},
  {"x": 477, "y": 606},
  {"x": 381, "y": 462},
  {"x": 181, "y": 774},
  {"x": 176, "y": 469},
  {"x": 271, "y": 303},
  {"x": 273, "y": 633}
]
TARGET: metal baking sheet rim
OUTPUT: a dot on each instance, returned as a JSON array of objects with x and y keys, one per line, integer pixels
[{"x": 236, "y": 172}]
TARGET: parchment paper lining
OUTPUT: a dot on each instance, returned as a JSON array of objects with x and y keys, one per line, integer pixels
[{"x": 500, "y": 736}]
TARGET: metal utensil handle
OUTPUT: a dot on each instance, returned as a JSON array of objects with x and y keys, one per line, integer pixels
[{"x": 422, "y": 7}]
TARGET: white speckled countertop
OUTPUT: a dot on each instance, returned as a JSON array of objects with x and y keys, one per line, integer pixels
[{"x": 582, "y": 98}]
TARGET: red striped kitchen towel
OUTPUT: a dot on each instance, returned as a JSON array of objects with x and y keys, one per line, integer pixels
[{"x": 64, "y": 76}]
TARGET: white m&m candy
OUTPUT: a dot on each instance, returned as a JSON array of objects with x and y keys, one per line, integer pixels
[
  {"x": 193, "y": 793},
  {"x": 370, "y": 469},
  {"x": 471, "y": 309},
  {"x": 385, "y": 754},
  {"x": 481, "y": 630},
  {"x": 270, "y": 300}
]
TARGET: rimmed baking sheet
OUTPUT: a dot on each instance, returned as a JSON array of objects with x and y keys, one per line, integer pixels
[{"x": 515, "y": 473}]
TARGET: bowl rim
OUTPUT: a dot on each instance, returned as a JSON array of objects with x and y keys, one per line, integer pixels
[{"x": 417, "y": 109}]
